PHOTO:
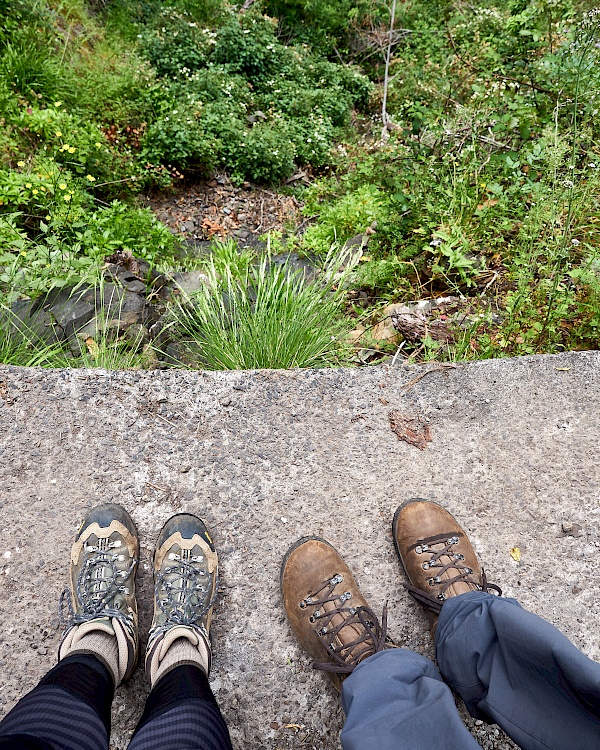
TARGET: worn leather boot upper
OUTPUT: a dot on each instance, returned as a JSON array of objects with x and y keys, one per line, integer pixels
[
  {"x": 436, "y": 554},
  {"x": 326, "y": 610}
]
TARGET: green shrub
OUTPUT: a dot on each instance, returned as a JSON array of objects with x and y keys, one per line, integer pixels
[
  {"x": 345, "y": 217},
  {"x": 178, "y": 140},
  {"x": 248, "y": 45}
]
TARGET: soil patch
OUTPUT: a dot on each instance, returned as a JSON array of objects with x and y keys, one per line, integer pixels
[{"x": 219, "y": 209}]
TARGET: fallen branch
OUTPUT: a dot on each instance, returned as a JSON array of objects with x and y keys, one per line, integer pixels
[
  {"x": 438, "y": 368},
  {"x": 386, "y": 80}
]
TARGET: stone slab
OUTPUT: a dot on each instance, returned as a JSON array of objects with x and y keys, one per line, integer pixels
[{"x": 267, "y": 457}]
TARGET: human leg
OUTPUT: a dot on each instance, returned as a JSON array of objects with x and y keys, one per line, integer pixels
[
  {"x": 181, "y": 710},
  {"x": 514, "y": 668},
  {"x": 510, "y": 666},
  {"x": 393, "y": 699},
  {"x": 397, "y": 700},
  {"x": 70, "y": 708}
]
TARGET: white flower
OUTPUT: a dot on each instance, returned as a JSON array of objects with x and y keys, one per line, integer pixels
[
  {"x": 575, "y": 243},
  {"x": 435, "y": 243}
]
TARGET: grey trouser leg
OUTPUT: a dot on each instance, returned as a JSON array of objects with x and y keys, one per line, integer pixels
[
  {"x": 508, "y": 665},
  {"x": 397, "y": 700},
  {"x": 515, "y": 669}
]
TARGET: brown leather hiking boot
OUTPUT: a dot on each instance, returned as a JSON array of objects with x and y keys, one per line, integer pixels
[
  {"x": 326, "y": 610},
  {"x": 436, "y": 554}
]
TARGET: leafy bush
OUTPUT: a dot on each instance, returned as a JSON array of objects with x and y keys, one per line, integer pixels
[
  {"x": 178, "y": 140},
  {"x": 239, "y": 98}
]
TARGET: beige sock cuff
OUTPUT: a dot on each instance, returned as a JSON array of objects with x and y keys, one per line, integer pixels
[
  {"x": 104, "y": 641},
  {"x": 95, "y": 641},
  {"x": 179, "y": 645}
]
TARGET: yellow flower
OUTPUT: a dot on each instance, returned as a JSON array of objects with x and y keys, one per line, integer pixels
[
  {"x": 20, "y": 164},
  {"x": 27, "y": 185},
  {"x": 71, "y": 149},
  {"x": 67, "y": 198},
  {"x": 62, "y": 186},
  {"x": 43, "y": 189},
  {"x": 48, "y": 217},
  {"x": 58, "y": 133},
  {"x": 35, "y": 192},
  {"x": 57, "y": 104},
  {"x": 90, "y": 178},
  {"x": 98, "y": 145}
]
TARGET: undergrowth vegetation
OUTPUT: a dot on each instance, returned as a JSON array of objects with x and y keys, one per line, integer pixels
[
  {"x": 461, "y": 140},
  {"x": 264, "y": 315}
]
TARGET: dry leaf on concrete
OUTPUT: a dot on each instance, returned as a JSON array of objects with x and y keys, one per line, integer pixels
[{"x": 413, "y": 430}]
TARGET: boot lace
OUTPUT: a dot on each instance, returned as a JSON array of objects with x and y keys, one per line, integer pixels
[
  {"x": 98, "y": 584},
  {"x": 443, "y": 559},
  {"x": 372, "y": 638},
  {"x": 182, "y": 593}
]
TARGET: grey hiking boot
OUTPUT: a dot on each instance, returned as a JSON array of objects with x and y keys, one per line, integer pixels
[
  {"x": 100, "y": 610},
  {"x": 186, "y": 570}
]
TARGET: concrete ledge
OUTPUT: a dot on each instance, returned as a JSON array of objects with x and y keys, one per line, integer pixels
[{"x": 266, "y": 457}]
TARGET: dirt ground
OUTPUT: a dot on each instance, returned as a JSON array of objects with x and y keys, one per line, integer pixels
[{"x": 219, "y": 209}]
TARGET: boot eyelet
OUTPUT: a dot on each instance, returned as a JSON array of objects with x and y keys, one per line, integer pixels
[{"x": 425, "y": 566}]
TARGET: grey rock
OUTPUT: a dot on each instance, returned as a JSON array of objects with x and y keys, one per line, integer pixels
[
  {"x": 188, "y": 226},
  {"x": 30, "y": 324},
  {"x": 138, "y": 334},
  {"x": 189, "y": 283},
  {"x": 75, "y": 438},
  {"x": 295, "y": 264}
]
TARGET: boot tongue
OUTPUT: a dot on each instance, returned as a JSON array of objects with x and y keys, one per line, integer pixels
[{"x": 349, "y": 632}]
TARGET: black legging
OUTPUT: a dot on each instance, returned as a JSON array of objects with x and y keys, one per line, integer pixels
[{"x": 70, "y": 710}]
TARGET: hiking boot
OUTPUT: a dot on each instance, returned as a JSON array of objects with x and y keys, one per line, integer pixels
[
  {"x": 186, "y": 572},
  {"x": 100, "y": 610},
  {"x": 326, "y": 610},
  {"x": 436, "y": 554}
]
